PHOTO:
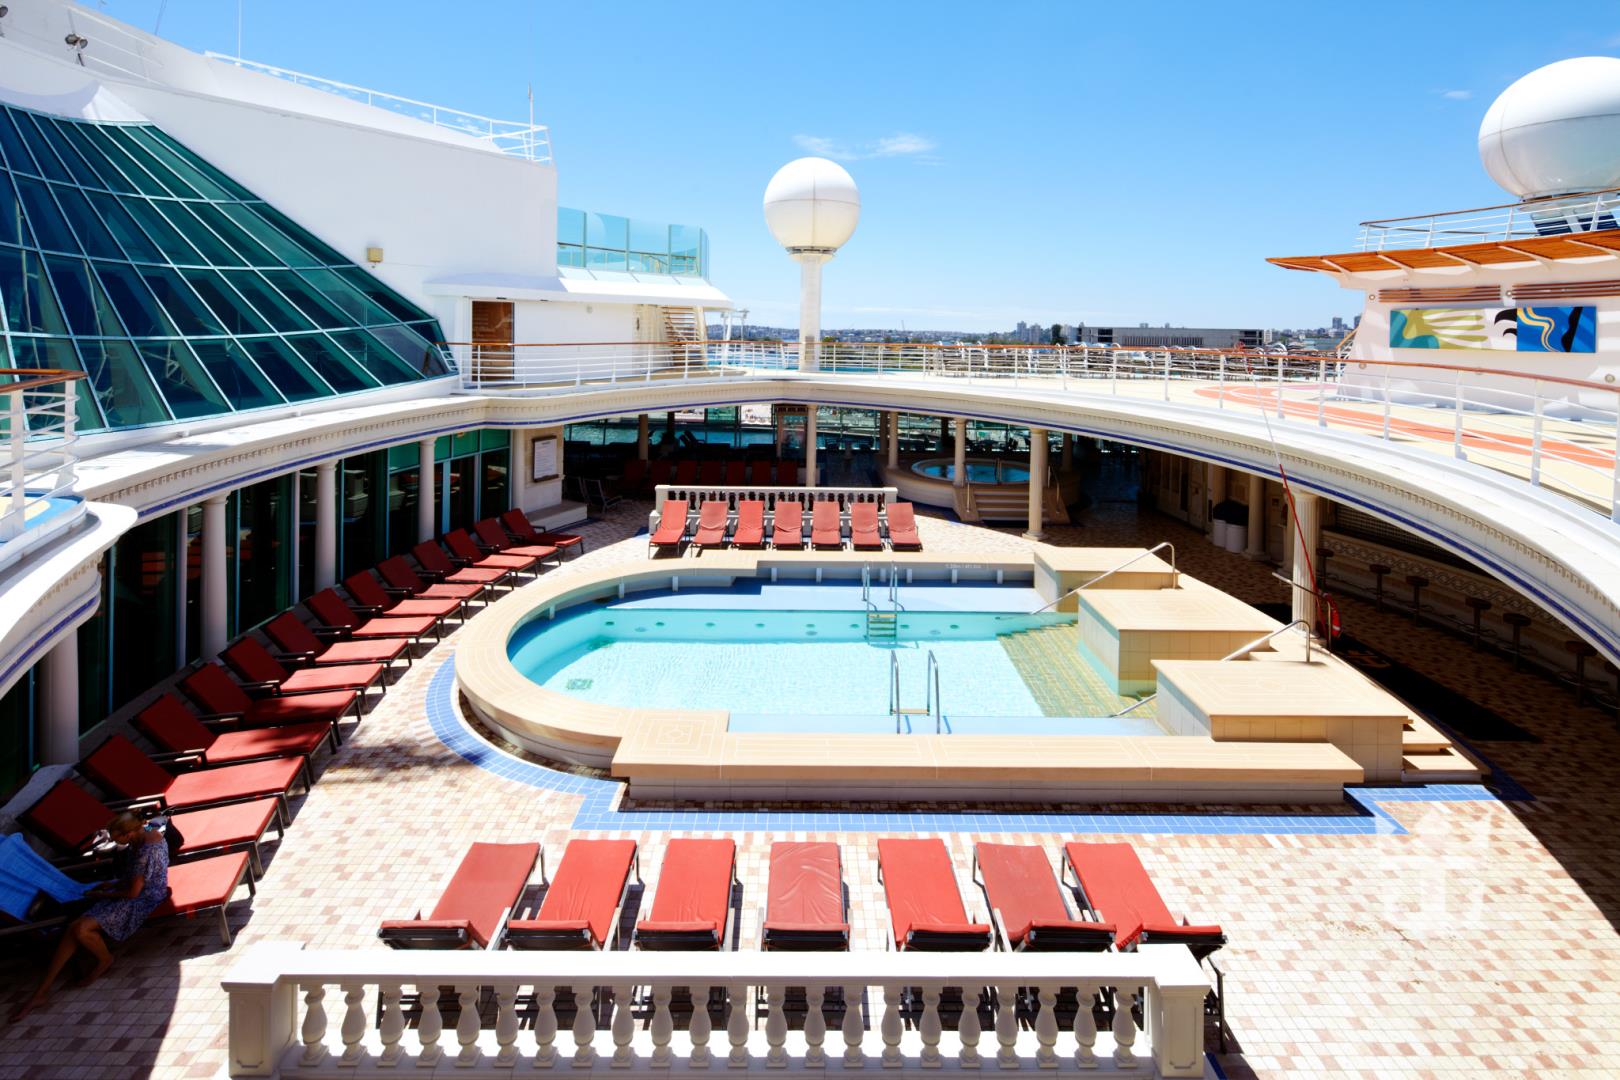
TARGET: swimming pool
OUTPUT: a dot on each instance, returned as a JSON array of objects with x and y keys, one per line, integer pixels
[
  {"x": 978, "y": 472},
  {"x": 809, "y": 670}
]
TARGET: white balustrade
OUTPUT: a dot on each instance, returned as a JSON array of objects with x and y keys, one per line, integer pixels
[
  {"x": 38, "y": 430},
  {"x": 633, "y": 1013}
]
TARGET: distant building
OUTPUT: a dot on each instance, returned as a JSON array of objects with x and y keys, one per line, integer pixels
[{"x": 1143, "y": 336}]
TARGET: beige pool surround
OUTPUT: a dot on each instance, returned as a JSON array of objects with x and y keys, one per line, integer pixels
[
  {"x": 691, "y": 755},
  {"x": 1126, "y": 630}
]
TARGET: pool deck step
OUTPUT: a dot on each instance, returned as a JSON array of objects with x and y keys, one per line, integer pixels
[
  {"x": 1445, "y": 766},
  {"x": 1049, "y": 661},
  {"x": 1421, "y": 737}
]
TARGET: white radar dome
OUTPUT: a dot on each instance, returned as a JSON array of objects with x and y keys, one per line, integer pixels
[
  {"x": 812, "y": 203},
  {"x": 1556, "y": 130}
]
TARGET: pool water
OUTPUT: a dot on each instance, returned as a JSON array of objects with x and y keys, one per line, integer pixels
[
  {"x": 798, "y": 670},
  {"x": 979, "y": 472}
]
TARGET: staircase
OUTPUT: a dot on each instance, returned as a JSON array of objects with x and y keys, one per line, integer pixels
[
  {"x": 1048, "y": 660},
  {"x": 685, "y": 327},
  {"x": 882, "y": 626},
  {"x": 977, "y": 502}
]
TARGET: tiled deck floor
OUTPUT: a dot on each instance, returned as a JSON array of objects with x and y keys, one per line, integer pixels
[{"x": 1480, "y": 942}]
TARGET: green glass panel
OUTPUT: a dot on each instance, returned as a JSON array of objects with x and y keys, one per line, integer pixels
[
  {"x": 604, "y": 259},
  {"x": 194, "y": 177},
  {"x": 403, "y": 456},
  {"x": 358, "y": 309},
  {"x": 414, "y": 351},
  {"x": 123, "y": 387},
  {"x": 492, "y": 494},
  {"x": 215, "y": 251},
  {"x": 188, "y": 313},
  {"x": 30, "y": 304},
  {"x": 112, "y": 178},
  {"x": 395, "y": 304},
  {"x": 84, "y": 304},
  {"x": 136, "y": 306},
  {"x": 331, "y": 363},
  {"x": 129, "y": 144},
  {"x": 50, "y": 227},
  {"x": 270, "y": 304},
  {"x": 463, "y": 443},
  {"x": 685, "y": 240},
  {"x": 569, "y": 255},
  {"x": 68, "y": 151},
  {"x": 285, "y": 369},
  {"x": 311, "y": 303},
  {"x": 441, "y": 448},
  {"x": 236, "y": 373},
  {"x": 93, "y": 236},
  {"x": 494, "y": 438},
  {"x": 262, "y": 521},
  {"x": 649, "y": 237},
  {"x": 16, "y": 154},
  {"x": 50, "y": 166},
  {"x": 285, "y": 249},
  {"x": 145, "y": 576},
  {"x": 181, "y": 379},
  {"x": 228, "y": 307},
  {"x": 142, "y": 181},
  {"x": 376, "y": 358},
  {"x": 322, "y": 251},
  {"x": 248, "y": 251},
  {"x": 237, "y": 190},
  {"x": 430, "y": 331},
  {"x": 570, "y": 226},
  {"x": 13, "y": 227},
  {"x": 136, "y": 244},
  {"x": 607, "y": 231},
  {"x": 156, "y": 226}
]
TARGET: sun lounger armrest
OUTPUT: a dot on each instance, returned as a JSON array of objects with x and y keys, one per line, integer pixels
[
  {"x": 426, "y": 933},
  {"x": 953, "y": 937},
  {"x": 1202, "y": 940},
  {"x": 368, "y": 609},
  {"x": 557, "y": 934},
  {"x": 337, "y": 633},
  {"x": 678, "y": 936}
]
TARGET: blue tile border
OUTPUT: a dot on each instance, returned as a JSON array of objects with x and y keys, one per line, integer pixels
[{"x": 600, "y": 808}]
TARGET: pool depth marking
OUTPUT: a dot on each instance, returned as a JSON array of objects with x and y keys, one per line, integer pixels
[{"x": 600, "y": 806}]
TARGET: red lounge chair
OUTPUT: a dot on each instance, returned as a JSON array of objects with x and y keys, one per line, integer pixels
[
  {"x": 693, "y": 907},
  {"x": 517, "y": 523},
  {"x": 339, "y": 618},
  {"x": 300, "y": 644},
  {"x": 925, "y": 907},
  {"x": 259, "y": 668},
  {"x": 1027, "y": 904},
  {"x": 736, "y": 473},
  {"x": 474, "y": 905},
  {"x": 464, "y": 550},
  {"x": 711, "y": 473},
  {"x": 172, "y": 727},
  {"x": 826, "y": 530},
  {"x": 635, "y": 474},
  {"x": 371, "y": 599},
  {"x": 492, "y": 535},
  {"x": 671, "y": 525},
  {"x": 584, "y": 900},
  {"x": 759, "y": 473},
  {"x": 219, "y": 695},
  {"x": 206, "y": 885},
  {"x": 400, "y": 580},
  {"x": 863, "y": 527},
  {"x": 750, "y": 530},
  {"x": 787, "y": 526},
  {"x": 805, "y": 908},
  {"x": 1117, "y": 887},
  {"x": 787, "y": 473},
  {"x": 711, "y": 529},
  {"x": 686, "y": 473},
  {"x": 436, "y": 565},
  {"x": 67, "y": 817},
  {"x": 118, "y": 766},
  {"x": 903, "y": 527}
]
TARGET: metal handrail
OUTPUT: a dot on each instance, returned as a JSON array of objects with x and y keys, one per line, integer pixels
[
  {"x": 1175, "y": 577},
  {"x": 1242, "y": 651},
  {"x": 936, "y": 706},
  {"x": 894, "y": 689},
  {"x": 1581, "y": 211}
]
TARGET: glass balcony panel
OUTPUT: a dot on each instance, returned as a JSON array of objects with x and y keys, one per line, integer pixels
[
  {"x": 181, "y": 379},
  {"x": 235, "y": 372},
  {"x": 685, "y": 240},
  {"x": 607, "y": 231},
  {"x": 603, "y": 259},
  {"x": 649, "y": 237},
  {"x": 84, "y": 302},
  {"x": 570, "y": 226},
  {"x": 570, "y": 255}
]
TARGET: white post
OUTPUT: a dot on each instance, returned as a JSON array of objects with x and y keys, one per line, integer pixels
[
  {"x": 642, "y": 433},
  {"x": 215, "y": 621},
  {"x": 427, "y": 490},
  {"x": 1037, "y": 481},
  {"x": 894, "y": 439},
  {"x": 1257, "y": 517},
  {"x": 57, "y": 721},
  {"x": 810, "y": 263},
  {"x": 959, "y": 474},
  {"x": 809, "y": 446},
  {"x": 326, "y": 519},
  {"x": 1307, "y": 537}
]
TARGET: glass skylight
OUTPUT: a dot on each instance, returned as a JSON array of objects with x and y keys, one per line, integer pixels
[{"x": 179, "y": 293}]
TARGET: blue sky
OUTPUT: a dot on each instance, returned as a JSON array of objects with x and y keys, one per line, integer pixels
[{"x": 1105, "y": 163}]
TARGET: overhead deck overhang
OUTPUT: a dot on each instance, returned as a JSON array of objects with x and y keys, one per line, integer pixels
[
  {"x": 615, "y": 288},
  {"x": 1527, "y": 251}
]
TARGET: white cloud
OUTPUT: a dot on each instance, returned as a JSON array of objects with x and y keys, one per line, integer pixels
[
  {"x": 1456, "y": 95},
  {"x": 900, "y": 144}
]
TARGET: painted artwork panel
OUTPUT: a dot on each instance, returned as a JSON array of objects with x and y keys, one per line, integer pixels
[
  {"x": 1441, "y": 328},
  {"x": 1557, "y": 329}
]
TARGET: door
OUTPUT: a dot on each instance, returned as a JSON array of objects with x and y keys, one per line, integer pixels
[{"x": 492, "y": 341}]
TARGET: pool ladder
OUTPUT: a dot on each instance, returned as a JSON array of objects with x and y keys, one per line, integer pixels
[
  {"x": 935, "y": 708},
  {"x": 881, "y": 626}
]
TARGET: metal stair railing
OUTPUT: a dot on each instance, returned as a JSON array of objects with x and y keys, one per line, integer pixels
[
  {"x": 1174, "y": 577},
  {"x": 1238, "y": 654}
]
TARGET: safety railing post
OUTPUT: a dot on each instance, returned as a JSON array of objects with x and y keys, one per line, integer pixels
[
  {"x": 1456, "y": 431},
  {"x": 1220, "y": 393},
  {"x": 1280, "y": 388},
  {"x": 1535, "y": 438},
  {"x": 1113, "y": 371},
  {"x": 17, "y": 443},
  {"x": 1386, "y": 407},
  {"x": 66, "y": 474},
  {"x": 1321, "y": 393},
  {"x": 1167, "y": 375}
]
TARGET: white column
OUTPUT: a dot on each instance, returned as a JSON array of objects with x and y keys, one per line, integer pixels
[
  {"x": 427, "y": 490},
  {"x": 215, "y": 622},
  {"x": 1307, "y": 537},
  {"x": 810, "y": 446},
  {"x": 642, "y": 436},
  {"x": 1257, "y": 517},
  {"x": 810, "y": 263},
  {"x": 959, "y": 472},
  {"x": 894, "y": 439},
  {"x": 57, "y": 719},
  {"x": 326, "y": 519},
  {"x": 1037, "y": 481},
  {"x": 1066, "y": 456}
]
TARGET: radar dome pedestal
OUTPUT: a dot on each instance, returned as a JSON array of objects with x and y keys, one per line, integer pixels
[
  {"x": 1556, "y": 130},
  {"x": 811, "y": 207}
]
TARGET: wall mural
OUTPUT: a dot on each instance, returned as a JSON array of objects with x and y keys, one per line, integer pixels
[{"x": 1525, "y": 329}]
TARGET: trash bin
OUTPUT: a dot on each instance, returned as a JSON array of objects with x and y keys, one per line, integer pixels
[{"x": 1237, "y": 538}]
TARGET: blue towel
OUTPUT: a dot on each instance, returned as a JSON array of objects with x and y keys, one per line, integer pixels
[{"x": 24, "y": 874}]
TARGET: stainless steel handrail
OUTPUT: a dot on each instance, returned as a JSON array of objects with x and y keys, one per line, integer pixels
[
  {"x": 936, "y": 707},
  {"x": 1241, "y": 652},
  {"x": 1174, "y": 577},
  {"x": 894, "y": 689}
]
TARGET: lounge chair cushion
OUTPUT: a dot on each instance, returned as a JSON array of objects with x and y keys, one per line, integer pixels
[
  {"x": 68, "y": 817},
  {"x": 1021, "y": 885},
  {"x": 586, "y": 888},
  {"x": 920, "y": 887},
  {"x": 694, "y": 887},
  {"x": 485, "y": 886},
  {"x": 1118, "y": 887},
  {"x": 806, "y": 891},
  {"x": 299, "y": 740},
  {"x": 231, "y": 782},
  {"x": 203, "y": 884},
  {"x": 223, "y": 826}
]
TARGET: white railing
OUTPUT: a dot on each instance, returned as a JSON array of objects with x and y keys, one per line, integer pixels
[
  {"x": 525, "y": 140},
  {"x": 1553, "y": 215},
  {"x": 332, "y": 1013},
  {"x": 37, "y": 414}
]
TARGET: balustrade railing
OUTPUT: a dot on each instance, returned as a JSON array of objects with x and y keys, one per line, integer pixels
[
  {"x": 37, "y": 412},
  {"x": 297, "y": 1013}
]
